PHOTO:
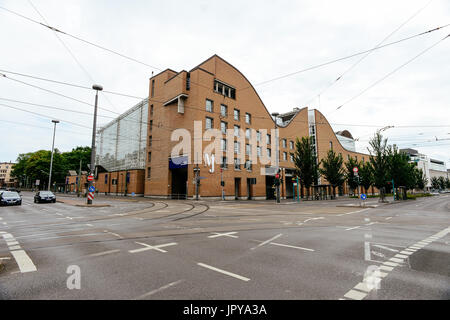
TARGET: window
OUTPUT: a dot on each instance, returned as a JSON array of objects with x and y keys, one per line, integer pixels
[
  {"x": 291, "y": 157},
  {"x": 237, "y": 164},
  {"x": 151, "y": 125},
  {"x": 236, "y": 131},
  {"x": 248, "y": 165},
  {"x": 153, "y": 87},
  {"x": 356, "y": 159},
  {"x": 268, "y": 153},
  {"x": 363, "y": 159},
  {"x": 258, "y": 151},
  {"x": 188, "y": 81},
  {"x": 268, "y": 139},
  {"x": 348, "y": 157},
  {"x": 248, "y": 149},
  {"x": 223, "y": 127},
  {"x": 209, "y": 105},
  {"x": 106, "y": 178},
  {"x": 224, "y": 89},
  {"x": 224, "y": 162},
  {"x": 283, "y": 143},
  {"x": 237, "y": 146},
  {"x": 248, "y": 133},
  {"x": 284, "y": 156},
  {"x": 331, "y": 145},
  {"x": 208, "y": 123},
  {"x": 248, "y": 118},
  {"x": 151, "y": 110},
  {"x": 236, "y": 114},
  {"x": 149, "y": 157},
  {"x": 223, "y": 110},
  {"x": 150, "y": 141},
  {"x": 223, "y": 144},
  {"x": 258, "y": 136},
  {"x": 291, "y": 144},
  {"x": 149, "y": 172}
]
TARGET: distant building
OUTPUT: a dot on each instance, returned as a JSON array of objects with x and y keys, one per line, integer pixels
[{"x": 6, "y": 180}]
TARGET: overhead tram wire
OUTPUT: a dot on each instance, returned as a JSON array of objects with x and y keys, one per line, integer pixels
[
  {"x": 264, "y": 82},
  {"x": 345, "y": 58},
  {"x": 340, "y": 77},
  {"x": 390, "y": 73}
]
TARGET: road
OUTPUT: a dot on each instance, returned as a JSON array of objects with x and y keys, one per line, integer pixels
[{"x": 167, "y": 249}]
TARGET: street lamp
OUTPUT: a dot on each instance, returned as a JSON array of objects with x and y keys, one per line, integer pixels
[
  {"x": 51, "y": 159},
  {"x": 277, "y": 161},
  {"x": 97, "y": 88}
]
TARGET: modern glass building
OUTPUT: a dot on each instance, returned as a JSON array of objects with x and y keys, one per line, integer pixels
[{"x": 121, "y": 144}]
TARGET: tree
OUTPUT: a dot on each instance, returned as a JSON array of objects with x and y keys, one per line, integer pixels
[
  {"x": 379, "y": 163},
  {"x": 447, "y": 182},
  {"x": 435, "y": 183},
  {"x": 441, "y": 181},
  {"x": 351, "y": 178},
  {"x": 366, "y": 175},
  {"x": 72, "y": 158},
  {"x": 332, "y": 170},
  {"x": 421, "y": 179},
  {"x": 401, "y": 170},
  {"x": 305, "y": 162}
]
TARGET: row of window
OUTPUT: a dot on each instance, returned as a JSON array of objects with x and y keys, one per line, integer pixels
[
  {"x": 224, "y": 89},
  {"x": 209, "y": 107}
]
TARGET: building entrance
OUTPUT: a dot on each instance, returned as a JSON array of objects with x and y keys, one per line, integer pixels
[
  {"x": 270, "y": 189},
  {"x": 237, "y": 188},
  {"x": 179, "y": 182}
]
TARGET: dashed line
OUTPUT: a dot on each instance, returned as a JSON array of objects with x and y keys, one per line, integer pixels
[
  {"x": 267, "y": 241},
  {"x": 353, "y": 228},
  {"x": 167, "y": 286},
  {"x": 234, "y": 275}
]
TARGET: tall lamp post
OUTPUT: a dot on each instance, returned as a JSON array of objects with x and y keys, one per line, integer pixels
[
  {"x": 51, "y": 159},
  {"x": 277, "y": 160},
  {"x": 97, "y": 88}
]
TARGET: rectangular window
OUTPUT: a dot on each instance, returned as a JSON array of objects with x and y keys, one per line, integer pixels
[
  {"x": 236, "y": 131},
  {"x": 223, "y": 144},
  {"x": 153, "y": 87},
  {"x": 283, "y": 143},
  {"x": 292, "y": 157},
  {"x": 248, "y": 118},
  {"x": 149, "y": 172},
  {"x": 106, "y": 178},
  {"x": 208, "y": 123},
  {"x": 209, "y": 105},
  {"x": 224, "y": 162},
  {"x": 248, "y": 165},
  {"x": 356, "y": 158},
  {"x": 237, "y": 164},
  {"x": 149, "y": 157},
  {"x": 224, "y": 89},
  {"x": 150, "y": 141},
  {"x": 236, "y": 114},
  {"x": 284, "y": 156},
  {"x": 188, "y": 81},
  {"x": 258, "y": 151},
  {"x": 348, "y": 157},
  {"x": 248, "y": 149},
  {"x": 291, "y": 144},
  {"x": 223, "y": 127},
  {"x": 237, "y": 147},
  {"x": 269, "y": 152},
  {"x": 151, "y": 125},
  {"x": 151, "y": 110},
  {"x": 223, "y": 110},
  {"x": 248, "y": 133},
  {"x": 268, "y": 139},
  {"x": 363, "y": 159},
  {"x": 331, "y": 145},
  {"x": 258, "y": 136}
]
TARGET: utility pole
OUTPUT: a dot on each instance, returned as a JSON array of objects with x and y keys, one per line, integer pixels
[
  {"x": 275, "y": 115},
  {"x": 97, "y": 88},
  {"x": 51, "y": 160},
  {"x": 197, "y": 180},
  {"x": 79, "y": 180},
  {"x": 222, "y": 183}
]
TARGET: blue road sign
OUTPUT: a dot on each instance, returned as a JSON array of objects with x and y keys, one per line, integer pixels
[
  {"x": 91, "y": 189},
  {"x": 363, "y": 196}
]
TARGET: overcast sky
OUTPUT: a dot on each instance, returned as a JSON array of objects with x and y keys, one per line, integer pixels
[{"x": 262, "y": 39}]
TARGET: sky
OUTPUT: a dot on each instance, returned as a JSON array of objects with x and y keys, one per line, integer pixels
[{"x": 264, "y": 40}]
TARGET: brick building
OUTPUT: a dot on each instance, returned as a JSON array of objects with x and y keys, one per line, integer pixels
[
  {"x": 180, "y": 107},
  {"x": 6, "y": 180}
]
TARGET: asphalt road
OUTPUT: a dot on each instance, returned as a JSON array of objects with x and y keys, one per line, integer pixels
[{"x": 163, "y": 249}]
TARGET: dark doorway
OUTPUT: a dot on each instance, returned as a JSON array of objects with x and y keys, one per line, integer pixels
[
  {"x": 270, "y": 188},
  {"x": 179, "y": 179},
  {"x": 249, "y": 189},
  {"x": 237, "y": 188}
]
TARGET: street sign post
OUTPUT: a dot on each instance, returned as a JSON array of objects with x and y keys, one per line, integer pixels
[
  {"x": 91, "y": 189},
  {"x": 363, "y": 198},
  {"x": 355, "y": 169},
  {"x": 90, "y": 178}
]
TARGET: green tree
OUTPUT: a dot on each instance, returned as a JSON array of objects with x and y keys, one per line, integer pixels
[
  {"x": 421, "y": 179},
  {"x": 72, "y": 158},
  {"x": 352, "y": 179},
  {"x": 401, "y": 170},
  {"x": 305, "y": 162},
  {"x": 366, "y": 175},
  {"x": 441, "y": 181},
  {"x": 332, "y": 170},
  {"x": 447, "y": 182},
  {"x": 435, "y": 183},
  {"x": 379, "y": 162}
]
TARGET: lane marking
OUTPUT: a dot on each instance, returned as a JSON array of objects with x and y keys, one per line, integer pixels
[
  {"x": 267, "y": 241},
  {"x": 388, "y": 218},
  {"x": 101, "y": 253},
  {"x": 289, "y": 246},
  {"x": 386, "y": 248},
  {"x": 149, "y": 247},
  {"x": 167, "y": 286},
  {"x": 396, "y": 260},
  {"x": 12, "y": 243},
  {"x": 89, "y": 225},
  {"x": 15, "y": 247},
  {"x": 23, "y": 261},
  {"x": 342, "y": 214},
  {"x": 386, "y": 268},
  {"x": 355, "y": 295},
  {"x": 392, "y": 264},
  {"x": 353, "y": 228},
  {"x": 223, "y": 271},
  {"x": 226, "y": 234},
  {"x": 401, "y": 256}
]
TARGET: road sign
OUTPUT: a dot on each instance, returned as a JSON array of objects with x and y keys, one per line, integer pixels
[
  {"x": 90, "y": 178},
  {"x": 363, "y": 196},
  {"x": 91, "y": 189},
  {"x": 90, "y": 196},
  {"x": 133, "y": 194},
  {"x": 355, "y": 169}
]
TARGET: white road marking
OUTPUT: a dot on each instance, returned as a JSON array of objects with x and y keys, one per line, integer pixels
[
  {"x": 388, "y": 218},
  {"x": 318, "y": 218},
  {"x": 89, "y": 225},
  {"x": 392, "y": 264},
  {"x": 396, "y": 260},
  {"x": 362, "y": 287},
  {"x": 102, "y": 253},
  {"x": 289, "y": 246},
  {"x": 401, "y": 256},
  {"x": 353, "y": 228},
  {"x": 5, "y": 258},
  {"x": 406, "y": 252},
  {"x": 226, "y": 234},
  {"x": 149, "y": 247},
  {"x": 15, "y": 248},
  {"x": 355, "y": 295},
  {"x": 59, "y": 214},
  {"x": 223, "y": 271},
  {"x": 267, "y": 241},
  {"x": 366, "y": 250},
  {"x": 386, "y": 268},
  {"x": 342, "y": 214},
  {"x": 8, "y": 236},
  {"x": 69, "y": 218},
  {"x": 12, "y": 243},
  {"x": 167, "y": 286},
  {"x": 23, "y": 261},
  {"x": 386, "y": 248}
]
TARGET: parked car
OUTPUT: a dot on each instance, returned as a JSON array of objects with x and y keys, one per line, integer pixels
[
  {"x": 44, "y": 196},
  {"x": 10, "y": 198}
]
